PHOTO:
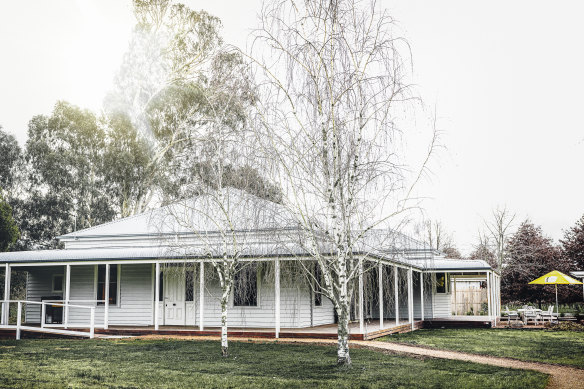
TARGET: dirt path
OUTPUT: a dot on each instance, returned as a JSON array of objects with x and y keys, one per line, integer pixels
[{"x": 561, "y": 376}]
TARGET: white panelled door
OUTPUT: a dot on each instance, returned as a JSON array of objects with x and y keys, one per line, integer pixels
[{"x": 174, "y": 298}]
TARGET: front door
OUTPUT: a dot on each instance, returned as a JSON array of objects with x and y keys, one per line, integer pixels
[{"x": 174, "y": 298}]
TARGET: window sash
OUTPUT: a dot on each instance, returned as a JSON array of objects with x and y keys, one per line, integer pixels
[{"x": 113, "y": 284}]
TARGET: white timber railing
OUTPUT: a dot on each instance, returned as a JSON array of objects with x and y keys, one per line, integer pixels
[
  {"x": 66, "y": 305},
  {"x": 5, "y": 322}
]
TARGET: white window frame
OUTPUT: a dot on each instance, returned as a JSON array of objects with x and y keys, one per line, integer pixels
[
  {"x": 62, "y": 283},
  {"x": 118, "y": 284}
]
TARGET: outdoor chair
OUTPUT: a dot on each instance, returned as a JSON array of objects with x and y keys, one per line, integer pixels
[
  {"x": 532, "y": 315},
  {"x": 549, "y": 314},
  {"x": 511, "y": 315}
]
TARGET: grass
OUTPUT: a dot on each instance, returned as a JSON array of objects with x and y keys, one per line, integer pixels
[
  {"x": 558, "y": 347},
  {"x": 183, "y": 363}
]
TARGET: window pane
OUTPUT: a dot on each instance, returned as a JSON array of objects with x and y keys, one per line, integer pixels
[
  {"x": 58, "y": 283},
  {"x": 245, "y": 289},
  {"x": 317, "y": 291},
  {"x": 161, "y": 290},
  {"x": 441, "y": 283},
  {"x": 189, "y": 285}
]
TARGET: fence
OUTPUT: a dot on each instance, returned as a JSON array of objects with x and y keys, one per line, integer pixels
[{"x": 469, "y": 301}]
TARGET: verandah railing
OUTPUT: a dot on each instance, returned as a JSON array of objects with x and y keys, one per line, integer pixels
[{"x": 5, "y": 317}]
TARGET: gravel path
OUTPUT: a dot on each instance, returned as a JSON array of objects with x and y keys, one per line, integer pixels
[{"x": 561, "y": 376}]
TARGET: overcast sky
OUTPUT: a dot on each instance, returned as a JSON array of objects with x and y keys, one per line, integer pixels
[{"x": 506, "y": 78}]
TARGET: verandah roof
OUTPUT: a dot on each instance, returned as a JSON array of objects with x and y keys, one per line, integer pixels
[{"x": 174, "y": 253}]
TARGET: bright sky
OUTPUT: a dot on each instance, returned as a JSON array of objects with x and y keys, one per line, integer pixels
[{"x": 505, "y": 76}]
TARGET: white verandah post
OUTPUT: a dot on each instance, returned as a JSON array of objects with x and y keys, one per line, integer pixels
[
  {"x": 156, "y": 295},
  {"x": 422, "y": 295},
  {"x": 107, "y": 294},
  {"x": 92, "y": 323},
  {"x": 18, "y": 320},
  {"x": 489, "y": 312},
  {"x": 499, "y": 293},
  {"x": 201, "y": 296},
  {"x": 361, "y": 303},
  {"x": 67, "y": 293},
  {"x": 6, "y": 305},
  {"x": 455, "y": 293},
  {"x": 43, "y": 313},
  {"x": 396, "y": 294},
  {"x": 277, "y": 297},
  {"x": 380, "y": 281},
  {"x": 410, "y": 299}
]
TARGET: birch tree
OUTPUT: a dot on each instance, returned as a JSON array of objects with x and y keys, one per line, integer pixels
[
  {"x": 221, "y": 209},
  {"x": 328, "y": 124}
]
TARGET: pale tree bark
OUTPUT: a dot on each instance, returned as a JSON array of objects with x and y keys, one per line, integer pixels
[{"x": 331, "y": 100}]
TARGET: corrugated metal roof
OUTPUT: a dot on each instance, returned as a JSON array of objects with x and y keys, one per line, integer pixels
[
  {"x": 198, "y": 214},
  {"x": 452, "y": 264},
  {"x": 168, "y": 252}
]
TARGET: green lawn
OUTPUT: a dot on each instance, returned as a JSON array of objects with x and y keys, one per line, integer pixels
[
  {"x": 183, "y": 363},
  {"x": 560, "y": 347}
]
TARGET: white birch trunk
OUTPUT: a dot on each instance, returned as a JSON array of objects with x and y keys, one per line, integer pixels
[
  {"x": 343, "y": 356},
  {"x": 224, "y": 344}
]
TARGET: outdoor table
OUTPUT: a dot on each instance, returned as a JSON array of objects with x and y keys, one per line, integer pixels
[{"x": 522, "y": 311}]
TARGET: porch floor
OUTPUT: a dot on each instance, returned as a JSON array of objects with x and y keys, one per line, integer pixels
[
  {"x": 372, "y": 329},
  {"x": 328, "y": 331}
]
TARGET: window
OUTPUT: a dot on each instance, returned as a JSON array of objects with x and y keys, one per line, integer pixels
[
  {"x": 189, "y": 286},
  {"x": 245, "y": 286},
  {"x": 161, "y": 287},
  {"x": 441, "y": 283},
  {"x": 58, "y": 283},
  {"x": 113, "y": 284},
  {"x": 317, "y": 290}
]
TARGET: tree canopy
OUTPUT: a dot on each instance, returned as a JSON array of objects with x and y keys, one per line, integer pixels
[
  {"x": 573, "y": 244},
  {"x": 531, "y": 254},
  {"x": 8, "y": 229}
]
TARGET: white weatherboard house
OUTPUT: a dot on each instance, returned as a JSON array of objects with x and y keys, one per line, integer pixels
[{"x": 152, "y": 272}]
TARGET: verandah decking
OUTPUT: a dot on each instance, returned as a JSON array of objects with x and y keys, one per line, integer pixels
[
  {"x": 372, "y": 331},
  {"x": 328, "y": 331}
]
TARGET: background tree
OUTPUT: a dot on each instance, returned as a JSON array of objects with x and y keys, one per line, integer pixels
[
  {"x": 531, "y": 255},
  {"x": 327, "y": 126},
  {"x": 498, "y": 233},
  {"x": 160, "y": 90},
  {"x": 438, "y": 238},
  {"x": 10, "y": 159},
  {"x": 66, "y": 176},
  {"x": 483, "y": 251},
  {"x": 573, "y": 245},
  {"x": 8, "y": 229}
]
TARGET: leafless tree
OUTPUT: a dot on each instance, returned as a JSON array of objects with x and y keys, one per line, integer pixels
[
  {"x": 436, "y": 235},
  {"x": 217, "y": 207},
  {"x": 328, "y": 127},
  {"x": 497, "y": 233}
]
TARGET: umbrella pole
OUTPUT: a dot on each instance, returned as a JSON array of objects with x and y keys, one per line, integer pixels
[{"x": 557, "y": 307}]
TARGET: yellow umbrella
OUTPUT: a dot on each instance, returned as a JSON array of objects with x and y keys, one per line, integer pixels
[{"x": 555, "y": 278}]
